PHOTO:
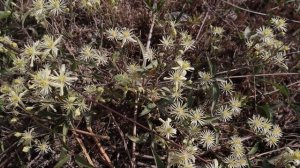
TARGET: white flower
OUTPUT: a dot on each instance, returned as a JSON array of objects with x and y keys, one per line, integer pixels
[
  {"x": 227, "y": 87},
  {"x": 31, "y": 51},
  {"x": 87, "y": 53},
  {"x": 279, "y": 23},
  {"x": 186, "y": 41},
  {"x": 197, "y": 117},
  {"x": 167, "y": 42},
  {"x": 149, "y": 54},
  {"x": 177, "y": 77},
  {"x": 179, "y": 111},
  {"x": 63, "y": 78},
  {"x": 206, "y": 78},
  {"x": 225, "y": 113},
  {"x": 27, "y": 136},
  {"x": 166, "y": 128},
  {"x": 266, "y": 33},
  {"x": 113, "y": 34},
  {"x": 272, "y": 141},
  {"x": 101, "y": 58},
  {"x": 15, "y": 98},
  {"x": 42, "y": 81},
  {"x": 50, "y": 45},
  {"x": 215, "y": 164},
  {"x": 207, "y": 139},
  {"x": 126, "y": 36},
  {"x": 235, "y": 104},
  {"x": 42, "y": 147},
  {"x": 217, "y": 31},
  {"x": 233, "y": 162},
  {"x": 56, "y": 7},
  {"x": 183, "y": 66}
]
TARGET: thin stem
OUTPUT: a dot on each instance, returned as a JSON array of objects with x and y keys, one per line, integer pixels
[{"x": 134, "y": 130}]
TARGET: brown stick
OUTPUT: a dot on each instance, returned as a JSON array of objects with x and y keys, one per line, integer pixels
[
  {"x": 101, "y": 149},
  {"x": 91, "y": 134},
  {"x": 86, "y": 154}
]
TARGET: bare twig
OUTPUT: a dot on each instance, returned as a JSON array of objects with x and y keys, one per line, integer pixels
[
  {"x": 272, "y": 151},
  {"x": 123, "y": 138},
  {"x": 150, "y": 32},
  {"x": 134, "y": 130},
  {"x": 255, "y": 12},
  {"x": 10, "y": 47},
  {"x": 91, "y": 134},
  {"x": 201, "y": 27},
  {"x": 276, "y": 90},
  {"x": 86, "y": 154},
  {"x": 257, "y": 75},
  {"x": 101, "y": 150}
]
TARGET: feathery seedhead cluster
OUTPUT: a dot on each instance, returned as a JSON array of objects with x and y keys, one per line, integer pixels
[
  {"x": 206, "y": 79},
  {"x": 87, "y": 54},
  {"x": 184, "y": 157},
  {"x": 187, "y": 41},
  {"x": 279, "y": 24},
  {"x": 263, "y": 126},
  {"x": 177, "y": 77},
  {"x": 235, "y": 105},
  {"x": 267, "y": 47},
  {"x": 180, "y": 111},
  {"x": 125, "y": 35},
  {"x": 237, "y": 147},
  {"x": 225, "y": 113},
  {"x": 43, "y": 80},
  {"x": 207, "y": 139},
  {"x": 217, "y": 31},
  {"x": 49, "y": 44},
  {"x": 183, "y": 66},
  {"x": 227, "y": 87},
  {"x": 167, "y": 42},
  {"x": 197, "y": 117},
  {"x": 233, "y": 162},
  {"x": 42, "y": 147},
  {"x": 90, "y": 5},
  {"x": 38, "y": 50}
]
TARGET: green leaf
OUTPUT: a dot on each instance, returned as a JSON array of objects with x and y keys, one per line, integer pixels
[
  {"x": 65, "y": 131},
  {"x": 64, "y": 158},
  {"x": 282, "y": 89},
  {"x": 148, "y": 109},
  {"x": 82, "y": 162},
  {"x": 159, "y": 163},
  {"x": 152, "y": 65},
  {"x": 254, "y": 149},
  {"x": 215, "y": 95},
  {"x": 4, "y": 14},
  {"x": 1, "y": 105},
  {"x": 211, "y": 67},
  {"x": 160, "y": 5},
  {"x": 266, "y": 111},
  {"x": 249, "y": 162},
  {"x": 7, "y": 4},
  {"x": 23, "y": 18}
]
